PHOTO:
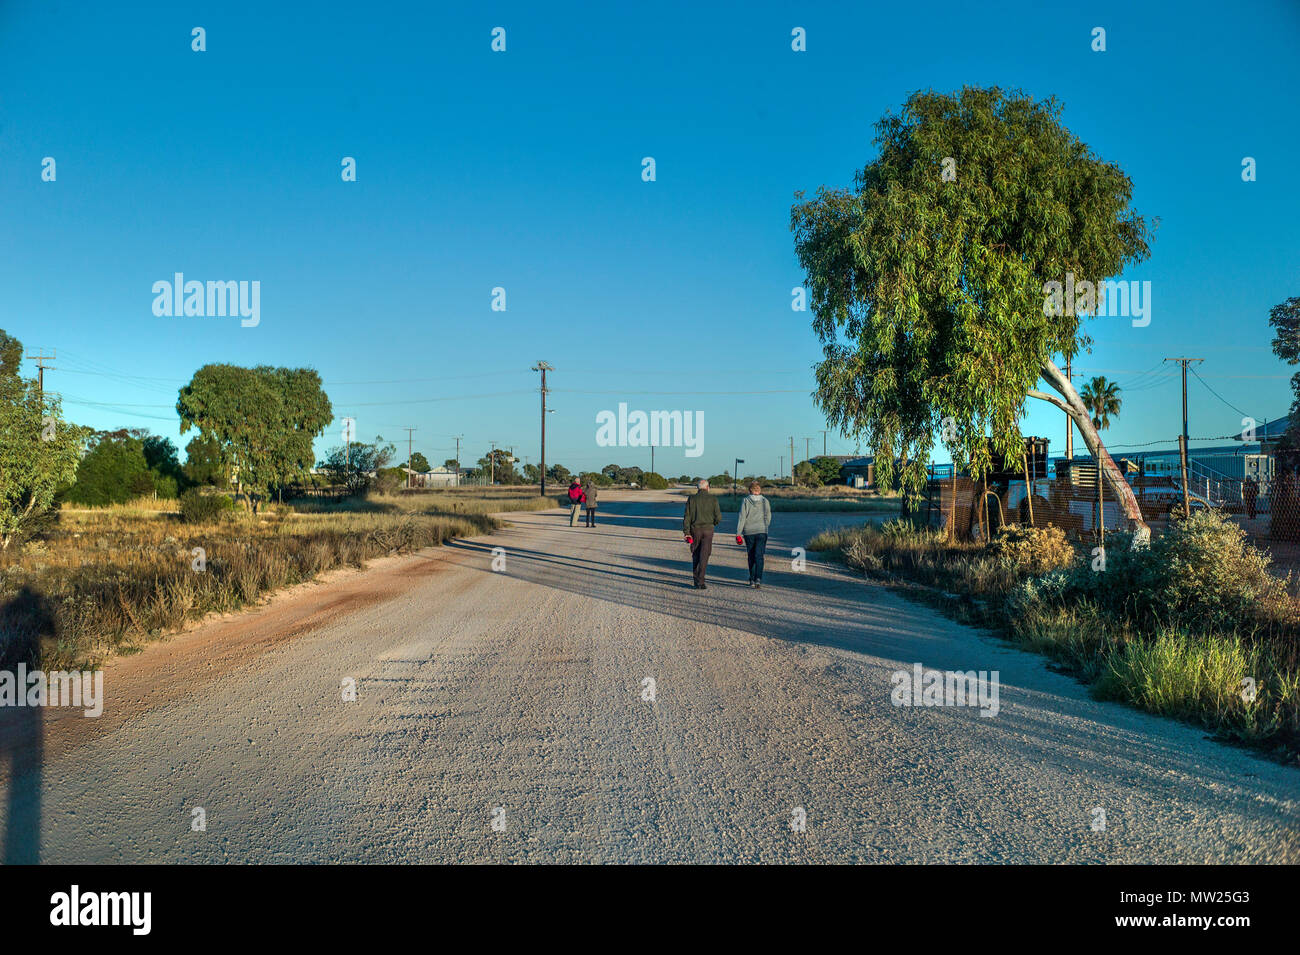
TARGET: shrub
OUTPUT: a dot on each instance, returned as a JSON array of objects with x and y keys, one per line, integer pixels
[
  {"x": 1032, "y": 550},
  {"x": 653, "y": 481},
  {"x": 1201, "y": 573},
  {"x": 1206, "y": 572},
  {"x": 197, "y": 508}
]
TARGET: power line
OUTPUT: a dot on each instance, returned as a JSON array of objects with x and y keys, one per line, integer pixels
[{"x": 1219, "y": 396}]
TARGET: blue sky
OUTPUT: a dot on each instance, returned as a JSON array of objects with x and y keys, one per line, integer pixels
[{"x": 523, "y": 170}]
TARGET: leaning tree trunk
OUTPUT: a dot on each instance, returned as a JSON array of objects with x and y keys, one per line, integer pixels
[{"x": 1072, "y": 405}]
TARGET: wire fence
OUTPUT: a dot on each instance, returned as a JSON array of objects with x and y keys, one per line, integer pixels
[{"x": 1267, "y": 508}]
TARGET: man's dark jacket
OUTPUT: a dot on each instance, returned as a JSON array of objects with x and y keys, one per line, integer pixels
[{"x": 701, "y": 508}]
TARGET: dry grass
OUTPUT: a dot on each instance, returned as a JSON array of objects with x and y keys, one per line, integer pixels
[{"x": 104, "y": 580}]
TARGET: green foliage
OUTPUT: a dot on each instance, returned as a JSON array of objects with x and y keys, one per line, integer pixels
[
  {"x": 654, "y": 481},
  {"x": 419, "y": 462},
  {"x": 828, "y": 470},
  {"x": 203, "y": 462},
  {"x": 116, "y": 468},
  {"x": 504, "y": 470},
  {"x": 558, "y": 473},
  {"x": 1033, "y": 550},
  {"x": 199, "y": 508},
  {"x": 38, "y": 451},
  {"x": 1285, "y": 319},
  {"x": 356, "y": 465},
  {"x": 928, "y": 295},
  {"x": 1200, "y": 574},
  {"x": 263, "y": 420},
  {"x": 807, "y": 475}
]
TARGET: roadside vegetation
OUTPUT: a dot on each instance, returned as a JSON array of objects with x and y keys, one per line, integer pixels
[
  {"x": 1194, "y": 627},
  {"x": 104, "y": 580}
]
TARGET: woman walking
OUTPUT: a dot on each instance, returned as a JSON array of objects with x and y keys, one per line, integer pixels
[
  {"x": 576, "y": 499},
  {"x": 751, "y": 530}
]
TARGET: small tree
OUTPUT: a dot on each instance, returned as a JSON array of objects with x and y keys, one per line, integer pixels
[
  {"x": 1101, "y": 398},
  {"x": 263, "y": 421},
  {"x": 357, "y": 465},
  {"x": 38, "y": 451}
]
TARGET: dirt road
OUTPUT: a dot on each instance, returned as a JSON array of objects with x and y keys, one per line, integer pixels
[{"x": 502, "y": 715}]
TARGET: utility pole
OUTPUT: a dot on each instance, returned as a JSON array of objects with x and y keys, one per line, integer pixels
[
  {"x": 807, "y": 449},
  {"x": 1069, "y": 423},
  {"x": 457, "y": 478},
  {"x": 652, "y": 459},
  {"x": 543, "y": 367},
  {"x": 1184, "y": 362},
  {"x": 40, "y": 370},
  {"x": 792, "y": 460},
  {"x": 780, "y": 464},
  {"x": 492, "y": 464},
  {"x": 410, "y": 468},
  {"x": 823, "y": 443}
]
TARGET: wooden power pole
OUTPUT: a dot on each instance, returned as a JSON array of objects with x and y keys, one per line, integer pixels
[
  {"x": 543, "y": 367},
  {"x": 1183, "y": 444},
  {"x": 410, "y": 468},
  {"x": 40, "y": 370}
]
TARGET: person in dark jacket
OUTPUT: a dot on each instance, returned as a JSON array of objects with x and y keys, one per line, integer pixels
[
  {"x": 591, "y": 492},
  {"x": 576, "y": 499},
  {"x": 701, "y": 517},
  {"x": 752, "y": 525}
]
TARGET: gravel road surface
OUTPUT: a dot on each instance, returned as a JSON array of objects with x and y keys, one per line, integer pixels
[{"x": 502, "y": 715}]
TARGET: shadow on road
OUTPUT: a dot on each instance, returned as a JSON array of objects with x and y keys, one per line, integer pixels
[
  {"x": 828, "y": 606},
  {"x": 27, "y": 617}
]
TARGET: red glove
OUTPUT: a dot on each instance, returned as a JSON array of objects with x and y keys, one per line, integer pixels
[
  {"x": 740, "y": 539},
  {"x": 690, "y": 540}
]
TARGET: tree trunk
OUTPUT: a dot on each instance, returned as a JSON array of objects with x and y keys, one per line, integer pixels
[{"x": 1071, "y": 404}]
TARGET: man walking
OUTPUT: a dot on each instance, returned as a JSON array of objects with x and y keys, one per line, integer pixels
[
  {"x": 751, "y": 530},
  {"x": 592, "y": 492},
  {"x": 701, "y": 517}
]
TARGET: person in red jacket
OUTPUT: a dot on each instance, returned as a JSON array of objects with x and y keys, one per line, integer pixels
[{"x": 576, "y": 499}]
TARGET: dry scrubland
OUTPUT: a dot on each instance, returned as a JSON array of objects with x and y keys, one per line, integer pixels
[
  {"x": 1174, "y": 629},
  {"x": 106, "y": 580}
]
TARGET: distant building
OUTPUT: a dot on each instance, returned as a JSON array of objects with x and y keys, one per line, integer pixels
[
  {"x": 859, "y": 472},
  {"x": 441, "y": 476}
]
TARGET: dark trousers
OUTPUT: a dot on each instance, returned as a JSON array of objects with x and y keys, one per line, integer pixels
[
  {"x": 591, "y": 516},
  {"x": 755, "y": 545},
  {"x": 701, "y": 548}
]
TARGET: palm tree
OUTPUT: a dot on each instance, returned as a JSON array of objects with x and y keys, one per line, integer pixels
[{"x": 1101, "y": 398}]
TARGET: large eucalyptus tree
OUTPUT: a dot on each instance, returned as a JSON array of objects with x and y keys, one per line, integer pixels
[{"x": 927, "y": 279}]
